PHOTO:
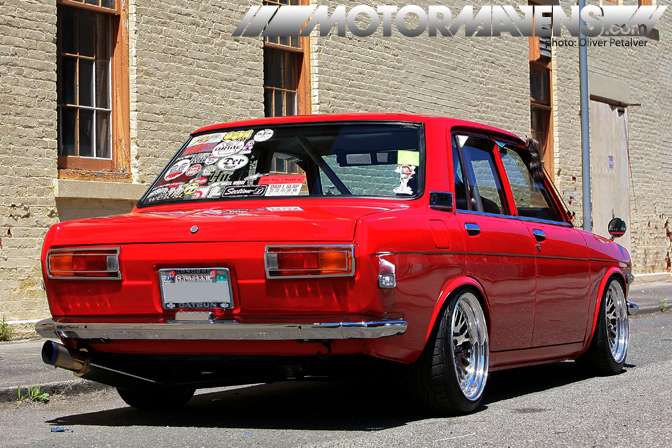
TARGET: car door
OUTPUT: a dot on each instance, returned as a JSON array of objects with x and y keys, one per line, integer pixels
[
  {"x": 561, "y": 255},
  {"x": 499, "y": 251}
]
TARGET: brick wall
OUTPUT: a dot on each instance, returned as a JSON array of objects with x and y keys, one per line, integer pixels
[
  {"x": 187, "y": 71},
  {"x": 450, "y": 76},
  {"x": 28, "y": 154},
  {"x": 647, "y": 75}
]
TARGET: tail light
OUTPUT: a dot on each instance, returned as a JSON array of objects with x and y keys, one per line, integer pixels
[
  {"x": 85, "y": 264},
  {"x": 310, "y": 261}
]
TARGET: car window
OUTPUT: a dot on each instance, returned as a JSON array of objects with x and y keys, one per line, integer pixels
[
  {"x": 332, "y": 159},
  {"x": 532, "y": 198},
  {"x": 484, "y": 185},
  {"x": 461, "y": 196}
]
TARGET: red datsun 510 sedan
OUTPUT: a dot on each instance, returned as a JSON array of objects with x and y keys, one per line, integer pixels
[{"x": 290, "y": 247}]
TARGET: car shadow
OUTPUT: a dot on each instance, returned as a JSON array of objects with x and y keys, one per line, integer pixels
[
  {"x": 320, "y": 405},
  {"x": 506, "y": 384},
  {"x": 305, "y": 405}
]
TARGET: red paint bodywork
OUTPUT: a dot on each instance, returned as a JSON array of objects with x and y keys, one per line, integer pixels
[{"x": 540, "y": 304}]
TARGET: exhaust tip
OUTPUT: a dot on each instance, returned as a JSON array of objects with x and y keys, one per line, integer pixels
[
  {"x": 58, "y": 355},
  {"x": 50, "y": 352}
]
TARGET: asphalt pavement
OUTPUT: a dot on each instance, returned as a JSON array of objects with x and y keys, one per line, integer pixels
[{"x": 21, "y": 363}]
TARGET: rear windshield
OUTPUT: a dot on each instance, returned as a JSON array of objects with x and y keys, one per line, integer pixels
[{"x": 375, "y": 159}]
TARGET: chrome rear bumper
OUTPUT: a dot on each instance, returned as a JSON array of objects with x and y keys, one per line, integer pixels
[{"x": 349, "y": 327}]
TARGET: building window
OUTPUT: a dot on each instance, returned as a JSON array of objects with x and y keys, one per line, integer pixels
[
  {"x": 286, "y": 81},
  {"x": 92, "y": 91},
  {"x": 541, "y": 110},
  {"x": 286, "y": 84}
]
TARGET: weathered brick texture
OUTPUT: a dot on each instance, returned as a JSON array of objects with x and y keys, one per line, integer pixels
[
  {"x": 648, "y": 74},
  {"x": 186, "y": 71},
  {"x": 28, "y": 154}
]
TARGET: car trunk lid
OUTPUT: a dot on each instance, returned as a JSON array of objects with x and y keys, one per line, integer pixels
[{"x": 303, "y": 223}]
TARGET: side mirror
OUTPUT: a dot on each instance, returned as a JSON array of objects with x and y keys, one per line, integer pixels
[
  {"x": 439, "y": 200},
  {"x": 617, "y": 228}
]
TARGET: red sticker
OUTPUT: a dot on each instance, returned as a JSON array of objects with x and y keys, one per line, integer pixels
[
  {"x": 177, "y": 170},
  {"x": 193, "y": 169},
  {"x": 268, "y": 180}
]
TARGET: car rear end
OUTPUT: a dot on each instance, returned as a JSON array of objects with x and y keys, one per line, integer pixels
[{"x": 230, "y": 271}]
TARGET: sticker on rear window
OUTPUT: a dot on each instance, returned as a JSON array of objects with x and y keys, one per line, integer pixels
[
  {"x": 406, "y": 172},
  {"x": 232, "y": 163},
  {"x": 177, "y": 170},
  {"x": 193, "y": 170},
  {"x": 244, "y": 191},
  {"x": 267, "y": 180},
  {"x": 284, "y": 189},
  {"x": 263, "y": 135},
  {"x": 203, "y": 143},
  {"x": 408, "y": 158},
  {"x": 229, "y": 147}
]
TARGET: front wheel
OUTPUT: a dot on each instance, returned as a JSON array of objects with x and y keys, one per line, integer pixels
[
  {"x": 609, "y": 347},
  {"x": 450, "y": 375}
]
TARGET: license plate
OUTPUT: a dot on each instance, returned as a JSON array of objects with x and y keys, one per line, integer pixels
[{"x": 202, "y": 288}]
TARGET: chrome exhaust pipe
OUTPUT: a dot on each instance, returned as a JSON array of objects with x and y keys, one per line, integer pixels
[{"x": 58, "y": 355}]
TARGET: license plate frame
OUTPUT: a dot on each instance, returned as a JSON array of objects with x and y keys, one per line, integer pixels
[{"x": 196, "y": 288}]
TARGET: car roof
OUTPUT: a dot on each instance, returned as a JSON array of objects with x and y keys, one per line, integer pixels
[{"x": 449, "y": 122}]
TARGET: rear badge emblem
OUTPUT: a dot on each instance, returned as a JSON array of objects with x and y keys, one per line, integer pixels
[{"x": 194, "y": 229}]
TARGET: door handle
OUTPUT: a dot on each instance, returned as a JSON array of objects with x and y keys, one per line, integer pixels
[
  {"x": 539, "y": 235},
  {"x": 472, "y": 229}
]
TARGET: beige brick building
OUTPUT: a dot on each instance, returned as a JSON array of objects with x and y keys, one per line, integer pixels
[{"x": 89, "y": 117}]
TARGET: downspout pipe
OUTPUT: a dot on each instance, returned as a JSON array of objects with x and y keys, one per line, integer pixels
[{"x": 585, "y": 129}]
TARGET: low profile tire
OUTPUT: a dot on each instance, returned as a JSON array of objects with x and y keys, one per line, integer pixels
[
  {"x": 158, "y": 400},
  {"x": 450, "y": 375},
  {"x": 609, "y": 347}
]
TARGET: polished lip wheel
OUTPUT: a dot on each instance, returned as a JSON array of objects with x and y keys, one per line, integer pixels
[
  {"x": 616, "y": 320},
  {"x": 470, "y": 346}
]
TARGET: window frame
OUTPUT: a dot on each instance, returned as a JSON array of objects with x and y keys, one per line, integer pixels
[
  {"x": 302, "y": 52},
  {"x": 311, "y": 174},
  {"x": 509, "y": 203},
  {"x": 547, "y": 193},
  {"x": 542, "y": 64},
  {"x": 507, "y": 208},
  {"x": 118, "y": 167}
]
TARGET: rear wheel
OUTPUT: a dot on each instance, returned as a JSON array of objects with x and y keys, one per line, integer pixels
[
  {"x": 450, "y": 375},
  {"x": 609, "y": 347},
  {"x": 158, "y": 399}
]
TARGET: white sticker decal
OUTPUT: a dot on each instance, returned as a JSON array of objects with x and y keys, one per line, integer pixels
[
  {"x": 284, "y": 189},
  {"x": 215, "y": 191},
  {"x": 177, "y": 170},
  {"x": 232, "y": 163},
  {"x": 228, "y": 147},
  {"x": 263, "y": 135},
  {"x": 212, "y": 159},
  {"x": 406, "y": 172}
]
